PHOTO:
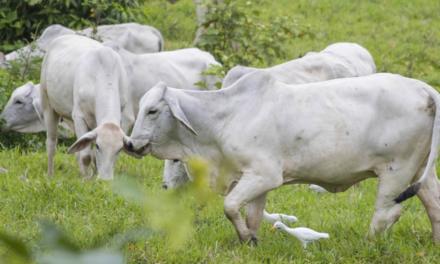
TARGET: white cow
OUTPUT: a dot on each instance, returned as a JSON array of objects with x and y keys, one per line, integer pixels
[
  {"x": 61, "y": 81},
  {"x": 333, "y": 133},
  {"x": 134, "y": 37},
  {"x": 338, "y": 60},
  {"x": 74, "y": 88},
  {"x": 23, "y": 112}
]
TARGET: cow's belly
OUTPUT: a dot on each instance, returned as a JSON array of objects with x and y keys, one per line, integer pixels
[
  {"x": 339, "y": 160},
  {"x": 61, "y": 100},
  {"x": 333, "y": 181}
]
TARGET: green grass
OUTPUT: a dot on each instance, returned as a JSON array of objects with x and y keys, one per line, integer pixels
[
  {"x": 403, "y": 36},
  {"x": 91, "y": 213}
]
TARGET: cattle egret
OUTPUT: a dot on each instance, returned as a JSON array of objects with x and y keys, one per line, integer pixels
[
  {"x": 272, "y": 218},
  {"x": 303, "y": 234},
  {"x": 317, "y": 188}
]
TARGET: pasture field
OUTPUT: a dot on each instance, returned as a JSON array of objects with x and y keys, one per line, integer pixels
[
  {"x": 403, "y": 37},
  {"x": 91, "y": 213}
]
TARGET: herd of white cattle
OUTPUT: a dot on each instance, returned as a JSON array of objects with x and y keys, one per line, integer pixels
[{"x": 327, "y": 119}]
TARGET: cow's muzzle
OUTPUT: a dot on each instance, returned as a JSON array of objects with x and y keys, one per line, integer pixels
[{"x": 136, "y": 148}]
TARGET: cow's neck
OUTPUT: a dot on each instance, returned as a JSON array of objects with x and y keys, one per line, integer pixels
[
  {"x": 108, "y": 104},
  {"x": 208, "y": 113}
]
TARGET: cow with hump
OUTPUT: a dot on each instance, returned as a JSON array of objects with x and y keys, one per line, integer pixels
[
  {"x": 338, "y": 60},
  {"x": 332, "y": 133}
]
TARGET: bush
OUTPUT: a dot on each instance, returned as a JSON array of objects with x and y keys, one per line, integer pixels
[
  {"x": 234, "y": 37},
  {"x": 22, "y": 20}
]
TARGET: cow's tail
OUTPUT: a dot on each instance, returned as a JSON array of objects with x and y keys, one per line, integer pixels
[{"x": 433, "y": 153}]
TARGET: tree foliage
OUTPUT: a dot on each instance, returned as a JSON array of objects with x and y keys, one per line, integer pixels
[
  {"x": 21, "y": 20},
  {"x": 234, "y": 34}
]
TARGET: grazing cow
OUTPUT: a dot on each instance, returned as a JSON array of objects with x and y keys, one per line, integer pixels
[
  {"x": 333, "y": 133},
  {"x": 78, "y": 92},
  {"x": 83, "y": 81},
  {"x": 23, "y": 112},
  {"x": 134, "y": 37},
  {"x": 338, "y": 60}
]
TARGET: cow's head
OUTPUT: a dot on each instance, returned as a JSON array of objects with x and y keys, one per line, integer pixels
[
  {"x": 108, "y": 139},
  {"x": 157, "y": 124},
  {"x": 174, "y": 174},
  {"x": 23, "y": 112}
]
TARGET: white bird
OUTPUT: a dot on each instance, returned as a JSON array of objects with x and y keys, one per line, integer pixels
[
  {"x": 3, "y": 170},
  {"x": 317, "y": 188},
  {"x": 272, "y": 218},
  {"x": 303, "y": 234}
]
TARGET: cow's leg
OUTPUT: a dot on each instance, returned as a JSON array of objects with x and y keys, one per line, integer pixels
[
  {"x": 250, "y": 187},
  {"x": 438, "y": 186},
  {"x": 51, "y": 120},
  {"x": 393, "y": 180},
  {"x": 254, "y": 216},
  {"x": 429, "y": 194},
  {"x": 84, "y": 156}
]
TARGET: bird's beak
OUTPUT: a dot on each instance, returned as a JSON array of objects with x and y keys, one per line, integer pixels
[{"x": 272, "y": 229}]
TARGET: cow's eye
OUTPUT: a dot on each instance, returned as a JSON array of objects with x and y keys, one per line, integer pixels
[
  {"x": 97, "y": 147},
  {"x": 152, "y": 112},
  {"x": 18, "y": 101},
  {"x": 176, "y": 160}
]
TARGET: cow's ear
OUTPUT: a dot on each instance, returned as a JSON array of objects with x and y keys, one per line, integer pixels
[
  {"x": 30, "y": 89},
  {"x": 38, "y": 109},
  {"x": 83, "y": 142},
  {"x": 178, "y": 113}
]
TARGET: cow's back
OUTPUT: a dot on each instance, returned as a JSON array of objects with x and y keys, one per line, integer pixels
[
  {"x": 339, "y": 60},
  {"x": 58, "y": 70},
  {"x": 134, "y": 37}
]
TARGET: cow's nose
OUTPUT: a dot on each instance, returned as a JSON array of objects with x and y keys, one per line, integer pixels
[
  {"x": 165, "y": 186},
  {"x": 130, "y": 146}
]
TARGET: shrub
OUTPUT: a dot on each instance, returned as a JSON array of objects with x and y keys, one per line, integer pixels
[{"x": 234, "y": 36}]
